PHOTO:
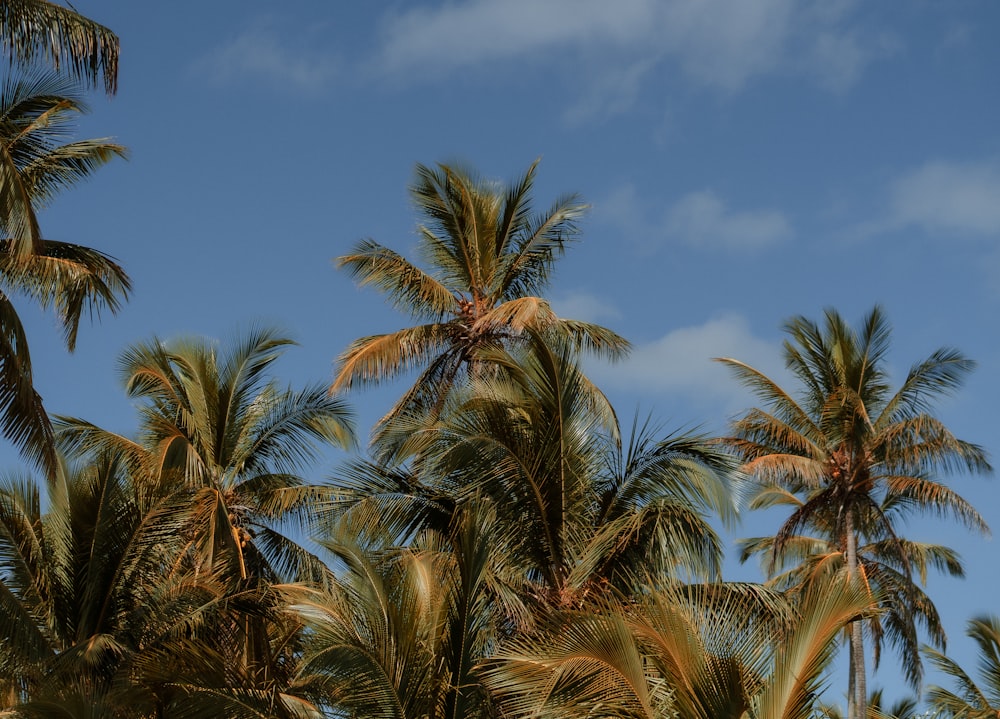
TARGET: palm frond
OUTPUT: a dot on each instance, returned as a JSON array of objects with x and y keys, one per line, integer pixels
[
  {"x": 39, "y": 30},
  {"x": 405, "y": 285}
]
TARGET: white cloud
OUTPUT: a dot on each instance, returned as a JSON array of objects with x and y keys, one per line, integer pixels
[
  {"x": 611, "y": 93},
  {"x": 585, "y": 307},
  {"x": 702, "y": 219},
  {"x": 468, "y": 33},
  {"x": 958, "y": 197},
  {"x": 681, "y": 363},
  {"x": 259, "y": 53},
  {"x": 721, "y": 43}
]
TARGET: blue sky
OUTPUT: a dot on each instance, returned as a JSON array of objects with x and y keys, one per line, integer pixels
[{"x": 745, "y": 162}]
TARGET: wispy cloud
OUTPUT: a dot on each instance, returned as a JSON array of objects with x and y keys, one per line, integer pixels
[
  {"x": 585, "y": 307},
  {"x": 702, "y": 219},
  {"x": 680, "y": 363},
  {"x": 720, "y": 43},
  {"x": 262, "y": 54},
  {"x": 699, "y": 219},
  {"x": 957, "y": 197}
]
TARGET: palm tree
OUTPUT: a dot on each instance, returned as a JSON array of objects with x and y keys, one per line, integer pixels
[
  {"x": 889, "y": 566},
  {"x": 970, "y": 700},
  {"x": 35, "y": 164},
  {"x": 85, "y": 585},
  {"x": 219, "y": 425},
  {"x": 585, "y": 511},
  {"x": 99, "y": 617},
  {"x": 702, "y": 652},
  {"x": 857, "y": 454},
  {"x": 34, "y": 31},
  {"x": 401, "y": 634},
  {"x": 489, "y": 258}
]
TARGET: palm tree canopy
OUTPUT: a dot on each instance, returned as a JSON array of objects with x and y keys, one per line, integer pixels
[
  {"x": 33, "y": 31},
  {"x": 582, "y": 510},
  {"x": 217, "y": 422},
  {"x": 851, "y": 456},
  {"x": 36, "y": 162},
  {"x": 489, "y": 258}
]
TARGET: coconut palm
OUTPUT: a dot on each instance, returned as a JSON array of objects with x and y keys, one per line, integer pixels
[
  {"x": 401, "y": 633},
  {"x": 85, "y": 586},
  {"x": 36, "y": 115},
  {"x": 488, "y": 258},
  {"x": 584, "y": 510},
  {"x": 702, "y": 652},
  {"x": 218, "y": 424},
  {"x": 895, "y": 567},
  {"x": 98, "y": 617},
  {"x": 41, "y": 32},
  {"x": 857, "y": 454},
  {"x": 970, "y": 700}
]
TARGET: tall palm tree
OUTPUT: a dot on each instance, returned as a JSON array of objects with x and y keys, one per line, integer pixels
[
  {"x": 858, "y": 454},
  {"x": 36, "y": 114},
  {"x": 488, "y": 258},
  {"x": 39, "y": 31},
  {"x": 890, "y": 566},
  {"x": 219, "y": 424},
  {"x": 970, "y": 700}
]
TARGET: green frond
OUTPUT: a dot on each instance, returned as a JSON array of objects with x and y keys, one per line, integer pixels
[
  {"x": 594, "y": 339},
  {"x": 783, "y": 406}
]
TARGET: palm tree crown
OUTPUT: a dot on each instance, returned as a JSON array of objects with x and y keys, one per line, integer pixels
[
  {"x": 219, "y": 424},
  {"x": 854, "y": 454},
  {"x": 490, "y": 257},
  {"x": 36, "y": 162}
]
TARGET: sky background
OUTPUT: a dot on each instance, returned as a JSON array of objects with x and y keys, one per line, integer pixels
[{"x": 745, "y": 162}]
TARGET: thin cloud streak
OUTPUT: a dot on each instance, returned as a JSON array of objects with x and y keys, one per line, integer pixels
[
  {"x": 260, "y": 53},
  {"x": 719, "y": 43},
  {"x": 698, "y": 219}
]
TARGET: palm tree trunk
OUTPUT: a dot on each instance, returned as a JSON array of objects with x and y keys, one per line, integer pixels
[{"x": 857, "y": 700}]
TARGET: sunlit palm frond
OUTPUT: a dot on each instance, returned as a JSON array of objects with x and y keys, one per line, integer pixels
[
  {"x": 581, "y": 664},
  {"x": 370, "y": 359},
  {"x": 72, "y": 278},
  {"x": 797, "y": 674},
  {"x": 405, "y": 285},
  {"x": 41, "y": 31}
]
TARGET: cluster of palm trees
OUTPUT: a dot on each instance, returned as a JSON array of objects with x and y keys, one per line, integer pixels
[{"x": 504, "y": 549}]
